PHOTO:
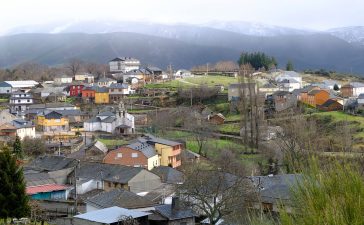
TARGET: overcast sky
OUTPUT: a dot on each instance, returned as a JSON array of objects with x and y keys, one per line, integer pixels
[{"x": 309, "y": 14}]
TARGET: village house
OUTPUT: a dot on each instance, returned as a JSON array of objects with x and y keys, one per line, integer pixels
[
  {"x": 121, "y": 122},
  {"x": 123, "y": 64},
  {"x": 275, "y": 191},
  {"x": 268, "y": 89},
  {"x": 92, "y": 175},
  {"x": 57, "y": 167},
  {"x": 288, "y": 84},
  {"x": 20, "y": 101},
  {"x": 353, "y": 89},
  {"x": 120, "y": 198},
  {"x": 41, "y": 186},
  {"x": 317, "y": 97},
  {"x": 56, "y": 97},
  {"x": 52, "y": 121},
  {"x": 133, "y": 77},
  {"x": 360, "y": 102},
  {"x": 183, "y": 74},
  {"x": 107, "y": 216},
  {"x": 289, "y": 75},
  {"x": 137, "y": 154},
  {"x": 172, "y": 214},
  {"x": 7, "y": 87},
  {"x": 236, "y": 90},
  {"x": 24, "y": 128},
  {"x": 169, "y": 151},
  {"x": 85, "y": 77},
  {"x": 169, "y": 175},
  {"x": 101, "y": 95},
  {"x": 76, "y": 88},
  {"x": 106, "y": 82},
  {"x": 88, "y": 93},
  {"x": 282, "y": 100},
  {"x": 62, "y": 79},
  {"x": 118, "y": 91},
  {"x": 331, "y": 105}
]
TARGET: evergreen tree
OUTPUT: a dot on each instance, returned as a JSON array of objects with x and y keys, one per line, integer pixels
[
  {"x": 17, "y": 148},
  {"x": 258, "y": 60},
  {"x": 289, "y": 66},
  {"x": 336, "y": 87},
  {"x": 13, "y": 198}
]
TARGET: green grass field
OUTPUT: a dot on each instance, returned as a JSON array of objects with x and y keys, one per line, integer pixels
[
  {"x": 112, "y": 142},
  {"x": 195, "y": 81}
]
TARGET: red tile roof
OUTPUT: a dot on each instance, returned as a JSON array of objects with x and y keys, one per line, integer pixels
[{"x": 45, "y": 188}]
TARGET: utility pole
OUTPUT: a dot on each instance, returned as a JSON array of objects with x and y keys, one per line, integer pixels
[
  {"x": 207, "y": 69},
  {"x": 191, "y": 97},
  {"x": 75, "y": 176}
]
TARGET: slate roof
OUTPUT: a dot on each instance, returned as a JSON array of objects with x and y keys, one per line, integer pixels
[
  {"x": 142, "y": 146},
  {"x": 35, "y": 179},
  {"x": 152, "y": 140},
  {"x": 167, "y": 212},
  {"x": 361, "y": 96},
  {"x": 357, "y": 84},
  {"x": 110, "y": 215},
  {"x": 120, "y": 198},
  {"x": 105, "y": 79},
  {"x": 276, "y": 188},
  {"x": 20, "y": 123},
  {"x": 314, "y": 92},
  {"x": 119, "y": 85},
  {"x": 101, "y": 89},
  {"x": 109, "y": 172},
  {"x": 52, "y": 163},
  {"x": 168, "y": 175},
  {"x": 123, "y": 59},
  {"x": 329, "y": 102},
  {"x": 281, "y": 93}
]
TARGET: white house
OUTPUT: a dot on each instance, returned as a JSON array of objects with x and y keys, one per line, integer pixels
[
  {"x": 85, "y": 77},
  {"x": 290, "y": 75},
  {"x": 20, "y": 101},
  {"x": 358, "y": 88},
  {"x": 62, "y": 79},
  {"x": 123, "y": 64},
  {"x": 7, "y": 87},
  {"x": 288, "y": 84},
  {"x": 24, "y": 128},
  {"x": 121, "y": 122},
  {"x": 183, "y": 74},
  {"x": 106, "y": 82}
]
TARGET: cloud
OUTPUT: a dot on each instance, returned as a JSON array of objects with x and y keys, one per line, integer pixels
[{"x": 316, "y": 14}]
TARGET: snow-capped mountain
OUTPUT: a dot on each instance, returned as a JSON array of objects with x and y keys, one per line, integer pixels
[
  {"x": 354, "y": 34},
  {"x": 255, "y": 29}
]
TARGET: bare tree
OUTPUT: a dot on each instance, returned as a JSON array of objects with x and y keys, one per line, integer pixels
[
  {"x": 74, "y": 66},
  {"x": 214, "y": 192}
]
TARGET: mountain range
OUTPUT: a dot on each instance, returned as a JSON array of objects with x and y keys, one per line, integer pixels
[{"x": 183, "y": 45}]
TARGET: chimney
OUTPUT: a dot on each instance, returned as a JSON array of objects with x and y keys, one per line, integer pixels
[{"x": 176, "y": 204}]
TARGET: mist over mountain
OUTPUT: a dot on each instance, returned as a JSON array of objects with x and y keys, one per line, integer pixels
[{"x": 182, "y": 45}]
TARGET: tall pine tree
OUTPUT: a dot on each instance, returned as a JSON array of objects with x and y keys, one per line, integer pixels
[
  {"x": 13, "y": 198},
  {"x": 17, "y": 148}
]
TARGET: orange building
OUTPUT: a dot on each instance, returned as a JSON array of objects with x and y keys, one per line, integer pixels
[
  {"x": 88, "y": 92},
  {"x": 317, "y": 97}
]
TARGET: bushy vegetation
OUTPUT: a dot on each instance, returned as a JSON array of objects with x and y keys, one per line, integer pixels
[{"x": 325, "y": 195}]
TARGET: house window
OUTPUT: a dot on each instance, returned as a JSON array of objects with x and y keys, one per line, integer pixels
[
  {"x": 134, "y": 155},
  {"x": 28, "y": 100},
  {"x": 119, "y": 155},
  {"x": 18, "y": 100}
]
